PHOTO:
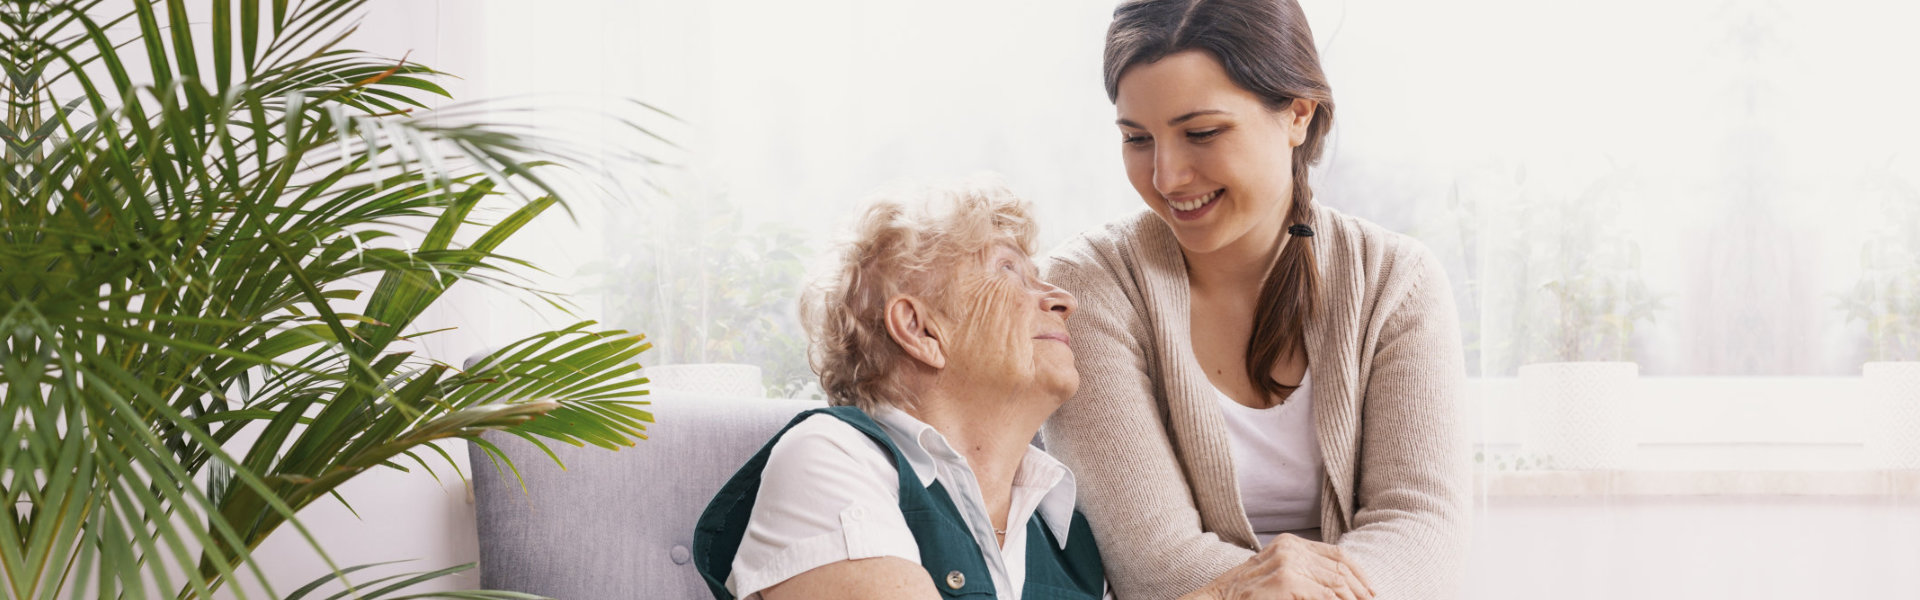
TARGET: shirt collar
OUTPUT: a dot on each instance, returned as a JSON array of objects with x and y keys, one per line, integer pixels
[
  {"x": 1056, "y": 506},
  {"x": 924, "y": 448},
  {"x": 913, "y": 437}
]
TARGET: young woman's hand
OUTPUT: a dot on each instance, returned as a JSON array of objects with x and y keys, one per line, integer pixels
[{"x": 1290, "y": 568}]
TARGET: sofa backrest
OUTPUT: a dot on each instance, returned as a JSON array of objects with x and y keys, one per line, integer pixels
[{"x": 616, "y": 525}]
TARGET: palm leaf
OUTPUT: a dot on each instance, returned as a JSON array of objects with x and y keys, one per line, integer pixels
[{"x": 184, "y": 254}]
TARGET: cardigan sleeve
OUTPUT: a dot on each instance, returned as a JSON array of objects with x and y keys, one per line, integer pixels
[
  {"x": 1111, "y": 434},
  {"x": 1410, "y": 524}
]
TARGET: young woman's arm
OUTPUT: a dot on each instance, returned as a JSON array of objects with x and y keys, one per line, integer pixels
[
  {"x": 1411, "y": 506},
  {"x": 1111, "y": 434}
]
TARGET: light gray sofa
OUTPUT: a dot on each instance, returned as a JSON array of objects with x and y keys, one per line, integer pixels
[{"x": 616, "y": 525}]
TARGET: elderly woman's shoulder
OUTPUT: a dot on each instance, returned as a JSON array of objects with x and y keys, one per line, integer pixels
[{"x": 824, "y": 443}]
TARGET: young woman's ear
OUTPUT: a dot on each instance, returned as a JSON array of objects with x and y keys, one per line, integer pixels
[
  {"x": 910, "y": 324},
  {"x": 1297, "y": 115}
]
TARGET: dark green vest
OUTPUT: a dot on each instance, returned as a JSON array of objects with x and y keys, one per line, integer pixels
[{"x": 947, "y": 550}]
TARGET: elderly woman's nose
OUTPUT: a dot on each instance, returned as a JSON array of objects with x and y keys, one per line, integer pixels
[{"x": 1056, "y": 299}]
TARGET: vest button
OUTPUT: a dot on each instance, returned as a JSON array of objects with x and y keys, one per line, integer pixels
[{"x": 956, "y": 580}]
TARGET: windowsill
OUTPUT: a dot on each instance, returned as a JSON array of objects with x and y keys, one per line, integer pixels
[
  {"x": 1858, "y": 484},
  {"x": 1701, "y": 436}
]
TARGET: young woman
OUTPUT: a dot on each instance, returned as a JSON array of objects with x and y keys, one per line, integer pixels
[{"x": 1268, "y": 406}]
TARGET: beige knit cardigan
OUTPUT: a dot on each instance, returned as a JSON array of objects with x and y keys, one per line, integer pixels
[{"x": 1146, "y": 441}]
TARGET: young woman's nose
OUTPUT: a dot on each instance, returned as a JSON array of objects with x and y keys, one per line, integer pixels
[{"x": 1170, "y": 170}]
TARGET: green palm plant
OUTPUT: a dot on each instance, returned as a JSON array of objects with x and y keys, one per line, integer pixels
[{"x": 217, "y": 237}]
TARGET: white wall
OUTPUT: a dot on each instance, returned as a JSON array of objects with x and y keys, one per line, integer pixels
[{"x": 395, "y": 517}]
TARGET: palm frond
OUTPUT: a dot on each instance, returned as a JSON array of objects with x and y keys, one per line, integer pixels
[{"x": 227, "y": 241}]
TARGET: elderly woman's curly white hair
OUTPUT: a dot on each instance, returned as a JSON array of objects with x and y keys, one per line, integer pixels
[{"x": 900, "y": 245}]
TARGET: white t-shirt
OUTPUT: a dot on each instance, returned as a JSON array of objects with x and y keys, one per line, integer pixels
[
  {"x": 830, "y": 494},
  {"x": 1276, "y": 458}
]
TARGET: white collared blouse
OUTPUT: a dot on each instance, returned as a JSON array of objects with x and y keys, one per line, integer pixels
[{"x": 829, "y": 493}]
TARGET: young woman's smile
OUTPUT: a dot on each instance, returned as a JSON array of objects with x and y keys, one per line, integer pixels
[{"x": 1189, "y": 209}]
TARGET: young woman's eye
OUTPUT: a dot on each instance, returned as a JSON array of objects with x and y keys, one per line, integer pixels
[
  {"x": 1203, "y": 134},
  {"x": 1134, "y": 140}
]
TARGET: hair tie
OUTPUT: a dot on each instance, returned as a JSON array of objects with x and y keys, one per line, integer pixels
[{"x": 1300, "y": 230}]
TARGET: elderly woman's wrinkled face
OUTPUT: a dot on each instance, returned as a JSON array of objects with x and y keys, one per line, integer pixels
[{"x": 1009, "y": 328}]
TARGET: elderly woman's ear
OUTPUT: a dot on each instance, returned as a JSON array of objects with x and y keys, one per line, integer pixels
[{"x": 910, "y": 322}]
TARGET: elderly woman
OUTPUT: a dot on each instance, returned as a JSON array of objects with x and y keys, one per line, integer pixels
[{"x": 942, "y": 352}]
